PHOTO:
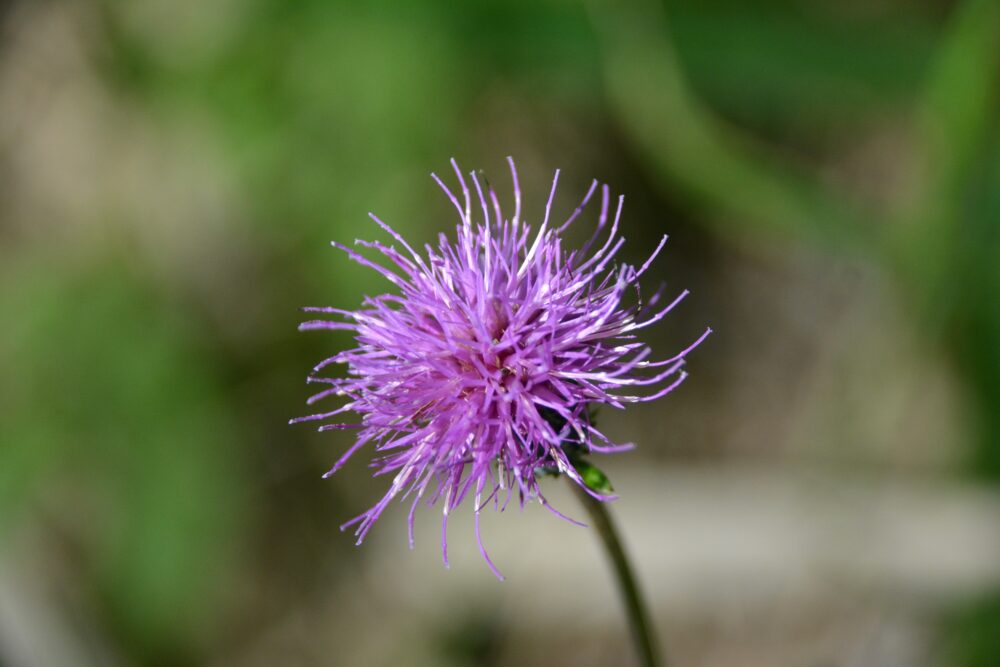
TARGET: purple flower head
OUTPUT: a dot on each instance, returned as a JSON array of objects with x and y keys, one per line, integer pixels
[{"x": 483, "y": 364}]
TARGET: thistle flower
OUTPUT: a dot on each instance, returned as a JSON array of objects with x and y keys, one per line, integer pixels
[{"x": 482, "y": 367}]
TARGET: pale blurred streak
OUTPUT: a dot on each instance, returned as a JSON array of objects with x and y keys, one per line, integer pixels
[
  {"x": 35, "y": 628},
  {"x": 743, "y": 565},
  {"x": 710, "y": 537}
]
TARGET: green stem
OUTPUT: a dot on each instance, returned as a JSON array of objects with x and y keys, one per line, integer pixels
[{"x": 635, "y": 607}]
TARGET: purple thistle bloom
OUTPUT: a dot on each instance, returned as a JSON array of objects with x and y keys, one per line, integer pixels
[{"x": 481, "y": 369}]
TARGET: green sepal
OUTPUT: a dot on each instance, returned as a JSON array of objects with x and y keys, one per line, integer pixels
[{"x": 594, "y": 477}]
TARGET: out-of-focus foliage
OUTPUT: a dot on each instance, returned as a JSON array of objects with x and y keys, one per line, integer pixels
[
  {"x": 143, "y": 484},
  {"x": 174, "y": 170}
]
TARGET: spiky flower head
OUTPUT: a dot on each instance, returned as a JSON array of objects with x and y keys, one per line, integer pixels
[{"x": 484, "y": 363}]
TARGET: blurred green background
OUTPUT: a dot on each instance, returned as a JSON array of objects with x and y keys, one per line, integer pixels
[{"x": 825, "y": 489}]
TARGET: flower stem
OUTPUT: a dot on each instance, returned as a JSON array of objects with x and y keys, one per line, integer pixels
[{"x": 635, "y": 607}]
